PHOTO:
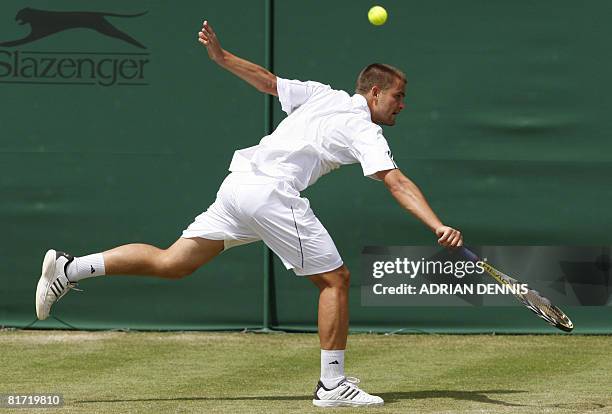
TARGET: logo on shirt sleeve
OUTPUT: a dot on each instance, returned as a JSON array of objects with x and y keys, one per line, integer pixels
[{"x": 390, "y": 154}]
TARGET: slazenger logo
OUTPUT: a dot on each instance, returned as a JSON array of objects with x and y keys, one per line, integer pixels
[{"x": 71, "y": 67}]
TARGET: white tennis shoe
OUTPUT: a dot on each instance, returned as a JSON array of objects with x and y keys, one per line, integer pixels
[
  {"x": 53, "y": 283},
  {"x": 346, "y": 394}
]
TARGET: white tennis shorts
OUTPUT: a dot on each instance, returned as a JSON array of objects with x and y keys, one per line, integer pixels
[{"x": 252, "y": 207}]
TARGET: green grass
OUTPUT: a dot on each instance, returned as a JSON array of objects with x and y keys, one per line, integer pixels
[{"x": 117, "y": 372}]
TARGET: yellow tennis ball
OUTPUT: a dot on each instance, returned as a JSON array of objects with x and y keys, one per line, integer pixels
[{"x": 377, "y": 15}]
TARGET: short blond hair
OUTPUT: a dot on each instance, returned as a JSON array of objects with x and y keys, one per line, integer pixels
[{"x": 379, "y": 74}]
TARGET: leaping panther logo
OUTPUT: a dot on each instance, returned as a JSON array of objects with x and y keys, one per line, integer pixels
[{"x": 44, "y": 23}]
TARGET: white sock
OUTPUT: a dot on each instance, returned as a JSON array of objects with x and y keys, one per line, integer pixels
[
  {"x": 86, "y": 266},
  {"x": 332, "y": 367}
]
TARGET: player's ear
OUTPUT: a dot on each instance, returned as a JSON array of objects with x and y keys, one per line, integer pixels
[{"x": 375, "y": 91}]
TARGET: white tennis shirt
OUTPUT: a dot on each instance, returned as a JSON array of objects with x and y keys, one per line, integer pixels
[{"x": 325, "y": 129}]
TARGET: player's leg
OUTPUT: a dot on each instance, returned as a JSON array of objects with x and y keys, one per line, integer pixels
[
  {"x": 179, "y": 260},
  {"x": 61, "y": 271},
  {"x": 334, "y": 388},
  {"x": 333, "y": 318}
]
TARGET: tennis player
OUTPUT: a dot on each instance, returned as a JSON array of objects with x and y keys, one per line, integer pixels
[{"x": 260, "y": 200}]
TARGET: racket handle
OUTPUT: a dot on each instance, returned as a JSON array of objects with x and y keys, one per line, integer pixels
[{"x": 469, "y": 254}]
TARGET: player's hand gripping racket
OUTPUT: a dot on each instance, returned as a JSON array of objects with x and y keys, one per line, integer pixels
[{"x": 537, "y": 303}]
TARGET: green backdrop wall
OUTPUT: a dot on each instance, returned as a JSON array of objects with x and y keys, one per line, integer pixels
[{"x": 506, "y": 130}]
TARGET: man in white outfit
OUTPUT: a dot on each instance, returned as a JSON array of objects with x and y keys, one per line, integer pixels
[{"x": 260, "y": 200}]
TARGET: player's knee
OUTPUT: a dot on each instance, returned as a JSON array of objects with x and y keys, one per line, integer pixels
[
  {"x": 339, "y": 278},
  {"x": 344, "y": 278},
  {"x": 171, "y": 268}
]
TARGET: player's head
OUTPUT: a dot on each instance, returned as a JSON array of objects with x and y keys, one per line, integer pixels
[{"x": 384, "y": 88}]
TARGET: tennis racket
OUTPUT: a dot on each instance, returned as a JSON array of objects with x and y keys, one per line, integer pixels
[{"x": 535, "y": 302}]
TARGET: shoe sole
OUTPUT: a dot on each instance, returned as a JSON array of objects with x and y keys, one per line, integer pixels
[
  {"x": 46, "y": 276},
  {"x": 340, "y": 403}
]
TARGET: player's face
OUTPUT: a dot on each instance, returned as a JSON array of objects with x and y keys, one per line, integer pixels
[{"x": 390, "y": 102}]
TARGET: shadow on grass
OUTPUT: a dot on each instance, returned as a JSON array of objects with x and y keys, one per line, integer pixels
[
  {"x": 476, "y": 396},
  {"x": 389, "y": 397}
]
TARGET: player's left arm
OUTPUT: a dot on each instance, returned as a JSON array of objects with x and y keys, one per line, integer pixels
[
  {"x": 410, "y": 197},
  {"x": 257, "y": 76}
]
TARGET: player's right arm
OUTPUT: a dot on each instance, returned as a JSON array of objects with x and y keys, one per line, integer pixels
[
  {"x": 410, "y": 197},
  {"x": 257, "y": 76}
]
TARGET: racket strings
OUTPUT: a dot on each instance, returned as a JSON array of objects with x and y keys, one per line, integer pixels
[
  {"x": 546, "y": 310},
  {"x": 538, "y": 304}
]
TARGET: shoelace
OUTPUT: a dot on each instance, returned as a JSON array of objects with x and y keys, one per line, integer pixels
[
  {"x": 352, "y": 383},
  {"x": 69, "y": 286},
  {"x": 352, "y": 380}
]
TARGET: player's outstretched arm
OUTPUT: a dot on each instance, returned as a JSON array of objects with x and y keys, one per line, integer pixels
[
  {"x": 262, "y": 79},
  {"x": 412, "y": 199}
]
